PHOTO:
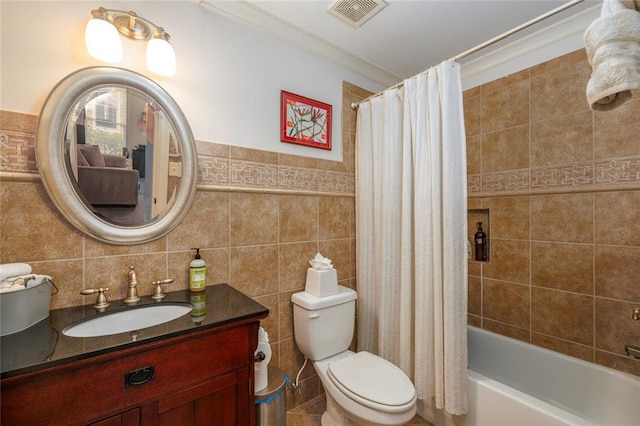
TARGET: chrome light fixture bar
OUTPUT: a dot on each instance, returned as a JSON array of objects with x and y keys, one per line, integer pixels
[{"x": 103, "y": 42}]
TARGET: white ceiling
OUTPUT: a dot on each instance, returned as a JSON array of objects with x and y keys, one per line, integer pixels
[{"x": 405, "y": 37}]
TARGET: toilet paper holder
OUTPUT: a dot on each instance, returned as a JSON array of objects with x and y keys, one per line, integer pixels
[{"x": 261, "y": 358}]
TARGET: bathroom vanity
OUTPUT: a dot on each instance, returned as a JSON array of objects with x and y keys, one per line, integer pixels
[{"x": 195, "y": 370}]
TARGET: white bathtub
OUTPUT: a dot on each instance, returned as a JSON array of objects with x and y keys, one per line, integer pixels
[{"x": 514, "y": 383}]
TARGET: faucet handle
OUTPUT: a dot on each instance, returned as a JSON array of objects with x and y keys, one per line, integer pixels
[
  {"x": 101, "y": 303},
  {"x": 159, "y": 293}
]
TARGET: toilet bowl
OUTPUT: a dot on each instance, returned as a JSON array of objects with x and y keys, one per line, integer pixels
[
  {"x": 361, "y": 388},
  {"x": 375, "y": 392}
]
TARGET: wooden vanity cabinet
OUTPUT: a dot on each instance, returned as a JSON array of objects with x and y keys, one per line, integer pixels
[{"x": 200, "y": 378}]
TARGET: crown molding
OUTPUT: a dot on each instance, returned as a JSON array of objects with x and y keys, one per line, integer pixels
[
  {"x": 252, "y": 16},
  {"x": 548, "y": 43}
]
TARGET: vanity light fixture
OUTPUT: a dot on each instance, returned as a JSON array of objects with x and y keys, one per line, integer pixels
[{"x": 104, "y": 44}]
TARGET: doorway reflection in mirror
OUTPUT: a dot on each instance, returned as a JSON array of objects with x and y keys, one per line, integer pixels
[
  {"x": 145, "y": 127},
  {"x": 101, "y": 126}
]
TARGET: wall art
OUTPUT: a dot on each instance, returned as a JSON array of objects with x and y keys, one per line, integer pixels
[{"x": 305, "y": 121}]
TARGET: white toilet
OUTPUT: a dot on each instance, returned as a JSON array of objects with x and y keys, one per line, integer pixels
[{"x": 361, "y": 388}]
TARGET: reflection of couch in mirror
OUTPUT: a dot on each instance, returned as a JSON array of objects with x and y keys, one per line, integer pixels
[{"x": 104, "y": 179}]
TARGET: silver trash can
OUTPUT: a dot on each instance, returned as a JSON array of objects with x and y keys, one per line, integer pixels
[{"x": 271, "y": 406}]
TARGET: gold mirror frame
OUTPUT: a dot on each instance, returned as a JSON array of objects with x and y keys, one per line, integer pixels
[{"x": 61, "y": 187}]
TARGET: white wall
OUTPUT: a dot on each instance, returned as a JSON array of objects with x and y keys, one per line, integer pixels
[
  {"x": 229, "y": 76},
  {"x": 547, "y": 43}
]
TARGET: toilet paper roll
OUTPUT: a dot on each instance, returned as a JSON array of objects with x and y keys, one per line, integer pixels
[{"x": 261, "y": 368}]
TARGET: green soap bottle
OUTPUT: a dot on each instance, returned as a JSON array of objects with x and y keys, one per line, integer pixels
[{"x": 197, "y": 273}]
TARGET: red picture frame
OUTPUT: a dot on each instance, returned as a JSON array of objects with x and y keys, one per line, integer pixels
[{"x": 305, "y": 121}]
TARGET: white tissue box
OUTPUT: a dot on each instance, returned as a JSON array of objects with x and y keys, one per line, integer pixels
[{"x": 322, "y": 283}]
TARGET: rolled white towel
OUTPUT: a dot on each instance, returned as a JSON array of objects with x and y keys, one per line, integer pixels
[
  {"x": 22, "y": 282},
  {"x": 612, "y": 44},
  {"x": 13, "y": 284},
  {"x": 13, "y": 270}
]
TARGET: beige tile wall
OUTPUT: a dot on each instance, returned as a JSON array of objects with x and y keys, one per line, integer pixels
[
  {"x": 258, "y": 218},
  {"x": 562, "y": 185}
]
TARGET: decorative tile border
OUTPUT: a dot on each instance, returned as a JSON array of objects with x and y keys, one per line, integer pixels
[
  {"x": 514, "y": 180},
  {"x": 17, "y": 155},
  {"x": 617, "y": 171},
  {"x": 17, "y": 152},
  {"x": 213, "y": 170},
  {"x": 336, "y": 182},
  {"x": 246, "y": 173},
  {"x": 474, "y": 184},
  {"x": 569, "y": 176},
  {"x": 297, "y": 178},
  {"x": 610, "y": 174}
]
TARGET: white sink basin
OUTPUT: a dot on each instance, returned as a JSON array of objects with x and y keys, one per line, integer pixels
[{"x": 131, "y": 319}]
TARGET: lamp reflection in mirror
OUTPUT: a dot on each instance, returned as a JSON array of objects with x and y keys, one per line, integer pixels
[{"x": 103, "y": 43}]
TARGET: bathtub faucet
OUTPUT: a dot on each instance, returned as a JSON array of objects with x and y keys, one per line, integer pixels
[{"x": 633, "y": 351}]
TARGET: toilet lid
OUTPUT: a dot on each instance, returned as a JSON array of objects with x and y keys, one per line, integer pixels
[{"x": 372, "y": 381}]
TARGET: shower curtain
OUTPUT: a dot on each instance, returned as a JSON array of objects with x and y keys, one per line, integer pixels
[{"x": 411, "y": 232}]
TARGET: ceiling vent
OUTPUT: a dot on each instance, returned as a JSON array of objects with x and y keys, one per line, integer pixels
[{"x": 356, "y": 12}]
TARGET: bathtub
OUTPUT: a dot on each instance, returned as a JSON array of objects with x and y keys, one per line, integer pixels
[{"x": 515, "y": 383}]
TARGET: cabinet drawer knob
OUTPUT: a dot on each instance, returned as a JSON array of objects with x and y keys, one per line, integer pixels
[{"x": 139, "y": 376}]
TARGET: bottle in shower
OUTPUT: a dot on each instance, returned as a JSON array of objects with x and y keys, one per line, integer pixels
[{"x": 481, "y": 244}]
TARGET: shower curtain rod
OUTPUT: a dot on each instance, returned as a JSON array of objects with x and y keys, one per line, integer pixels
[{"x": 354, "y": 105}]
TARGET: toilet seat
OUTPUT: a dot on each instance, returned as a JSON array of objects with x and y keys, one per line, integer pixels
[{"x": 373, "y": 382}]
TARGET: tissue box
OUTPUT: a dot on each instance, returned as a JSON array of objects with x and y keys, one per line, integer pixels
[
  {"x": 23, "y": 308},
  {"x": 322, "y": 283}
]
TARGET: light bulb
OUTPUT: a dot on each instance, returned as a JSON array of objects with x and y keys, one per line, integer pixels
[
  {"x": 161, "y": 58},
  {"x": 103, "y": 41}
]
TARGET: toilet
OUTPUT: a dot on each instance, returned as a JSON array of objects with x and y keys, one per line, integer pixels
[{"x": 361, "y": 388}]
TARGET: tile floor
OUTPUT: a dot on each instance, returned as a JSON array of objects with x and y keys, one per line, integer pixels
[{"x": 309, "y": 413}]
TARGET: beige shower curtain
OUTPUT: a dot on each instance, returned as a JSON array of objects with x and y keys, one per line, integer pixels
[{"x": 411, "y": 203}]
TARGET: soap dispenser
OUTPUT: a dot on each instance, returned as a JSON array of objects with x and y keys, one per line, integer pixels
[{"x": 197, "y": 273}]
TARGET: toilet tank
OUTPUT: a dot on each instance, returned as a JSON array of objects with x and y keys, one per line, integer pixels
[{"x": 323, "y": 326}]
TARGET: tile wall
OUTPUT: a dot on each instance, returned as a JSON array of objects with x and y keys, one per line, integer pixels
[
  {"x": 562, "y": 185},
  {"x": 258, "y": 218}
]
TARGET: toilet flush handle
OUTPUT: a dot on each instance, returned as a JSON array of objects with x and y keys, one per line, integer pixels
[{"x": 314, "y": 314}]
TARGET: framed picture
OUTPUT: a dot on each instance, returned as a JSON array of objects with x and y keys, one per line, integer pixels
[{"x": 305, "y": 121}]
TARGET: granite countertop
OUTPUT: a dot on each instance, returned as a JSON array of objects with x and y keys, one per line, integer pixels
[{"x": 43, "y": 345}]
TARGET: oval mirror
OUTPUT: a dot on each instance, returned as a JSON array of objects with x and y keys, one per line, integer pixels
[{"x": 116, "y": 155}]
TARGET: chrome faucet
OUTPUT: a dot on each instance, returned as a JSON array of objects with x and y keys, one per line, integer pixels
[{"x": 132, "y": 293}]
